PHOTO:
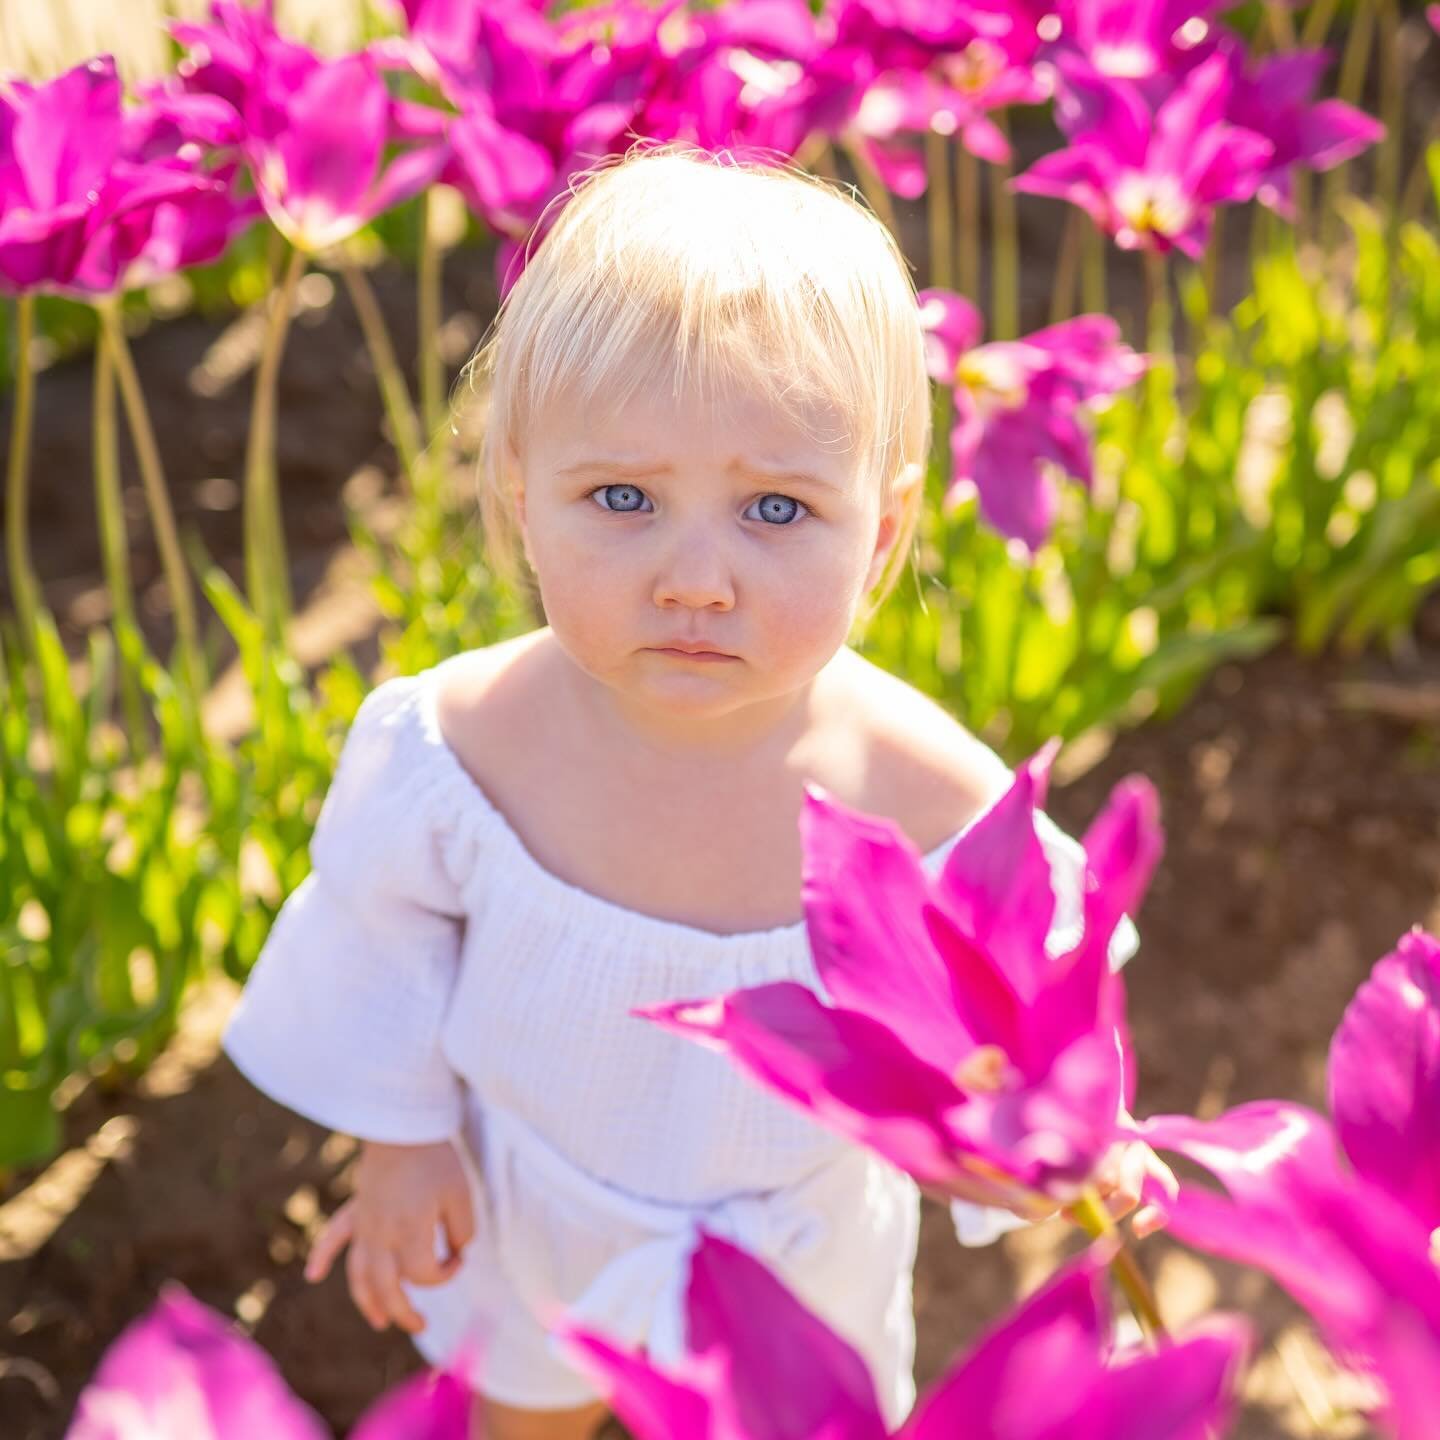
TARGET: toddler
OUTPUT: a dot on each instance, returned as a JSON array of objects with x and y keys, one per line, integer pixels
[{"x": 708, "y": 426}]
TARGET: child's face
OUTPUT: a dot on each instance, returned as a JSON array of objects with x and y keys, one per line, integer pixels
[{"x": 683, "y": 519}]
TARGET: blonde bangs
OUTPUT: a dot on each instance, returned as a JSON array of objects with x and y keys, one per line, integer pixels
[{"x": 672, "y": 265}]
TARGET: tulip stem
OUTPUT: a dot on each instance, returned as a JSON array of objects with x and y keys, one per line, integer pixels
[
  {"x": 1352, "y": 77},
  {"x": 157, "y": 497},
  {"x": 114, "y": 550},
  {"x": 1413, "y": 200},
  {"x": 1392, "y": 105},
  {"x": 267, "y": 574},
  {"x": 23, "y": 584},
  {"x": 1159, "y": 317},
  {"x": 1004, "y": 250},
  {"x": 429, "y": 302},
  {"x": 1092, "y": 1216},
  {"x": 1067, "y": 270},
  {"x": 1282, "y": 25},
  {"x": 872, "y": 186},
  {"x": 1318, "y": 22},
  {"x": 967, "y": 202},
  {"x": 937, "y": 206},
  {"x": 1092, "y": 270},
  {"x": 404, "y": 426}
]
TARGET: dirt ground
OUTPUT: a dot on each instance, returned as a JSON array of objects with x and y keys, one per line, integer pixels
[{"x": 1303, "y": 824}]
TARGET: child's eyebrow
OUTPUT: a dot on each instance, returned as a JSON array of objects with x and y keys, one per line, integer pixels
[{"x": 635, "y": 470}]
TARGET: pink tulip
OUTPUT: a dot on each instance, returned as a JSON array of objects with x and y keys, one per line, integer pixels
[
  {"x": 952, "y": 97},
  {"x": 1152, "y": 178},
  {"x": 1432, "y": 14},
  {"x": 314, "y": 131},
  {"x": 1350, "y": 1253},
  {"x": 1384, "y": 1077},
  {"x": 491, "y": 62},
  {"x": 1016, "y": 407},
  {"x": 182, "y": 1372},
  {"x": 957, "y": 1047},
  {"x": 1137, "y": 40},
  {"x": 1355, "y": 1247},
  {"x": 170, "y": 133},
  {"x": 1274, "y": 102},
  {"x": 760, "y": 1366},
  {"x": 320, "y": 171},
  {"x": 64, "y": 174}
]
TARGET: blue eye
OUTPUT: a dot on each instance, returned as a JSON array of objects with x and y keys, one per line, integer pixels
[
  {"x": 630, "y": 497},
  {"x": 779, "y": 509}
]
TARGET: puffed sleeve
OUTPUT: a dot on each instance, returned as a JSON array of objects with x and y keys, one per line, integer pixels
[
  {"x": 341, "y": 1016},
  {"x": 981, "y": 1224}
]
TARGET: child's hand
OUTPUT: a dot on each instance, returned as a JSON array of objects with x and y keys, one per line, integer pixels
[{"x": 402, "y": 1192}]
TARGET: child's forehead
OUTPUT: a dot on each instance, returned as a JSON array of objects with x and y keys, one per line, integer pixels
[{"x": 741, "y": 425}]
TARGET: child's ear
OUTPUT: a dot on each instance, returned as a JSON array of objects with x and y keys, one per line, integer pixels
[{"x": 903, "y": 495}]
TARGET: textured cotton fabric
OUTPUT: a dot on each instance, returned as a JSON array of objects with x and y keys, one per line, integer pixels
[{"x": 430, "y": 980}]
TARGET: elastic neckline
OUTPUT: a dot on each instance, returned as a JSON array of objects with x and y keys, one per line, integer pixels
[{"x": 575, "y": 895}]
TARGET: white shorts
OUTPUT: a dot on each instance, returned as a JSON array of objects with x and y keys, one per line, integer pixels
[{"x": 552, "y": 1240}]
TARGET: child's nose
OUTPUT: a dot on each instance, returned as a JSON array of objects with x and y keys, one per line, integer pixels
[{"x": 697, "y": 574}]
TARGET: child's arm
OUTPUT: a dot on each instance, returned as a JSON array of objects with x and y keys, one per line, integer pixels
[{"x": 342, "y": 1017}]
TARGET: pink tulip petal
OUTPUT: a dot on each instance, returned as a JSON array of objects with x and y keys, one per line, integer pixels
[
  {"x": 653, "y": 1405},
  {"x": 996, "y": 882},
  {"x": 434, "y": 1405},
  {"x": 789, "y": 1377},
  {"x": 851, "y": 1073},
  {"x": 1194, "y": 111},
  {"x": 900, "y": 166},
  {"x": 181, "y": 1372},
  {"x": 1227, "y": 165},
  {"x": 952, "y": 326},
  {"x": 1059, "y": 1333},
  {"x": 1384, "y": 1076},
  {"x": 407, "y": 174},
  {"x": 982, "y": 999},
  {"x": 1187, "y": 1391},
  {"x": 864, "y": 889},
  {"x": 1016, "y": 497},
  {"x": 329, "y": 152},
  {"x": 983, "y": 138},
  {"x": 68, "y": 133},
  {"x": 504, "y": 168},
  {"x": 1089, "y": 103},
  {"x": 1079, "y": 175},
  {"x": 1332, "y": 132}
]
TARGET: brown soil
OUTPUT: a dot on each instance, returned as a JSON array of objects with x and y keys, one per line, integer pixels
[{"x": 1303, "y": 838}]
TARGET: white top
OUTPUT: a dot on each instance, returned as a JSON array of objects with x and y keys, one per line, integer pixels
[{"x": 429, "y": 969}]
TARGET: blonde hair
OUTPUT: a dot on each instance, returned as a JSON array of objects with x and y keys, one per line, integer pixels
[{"x": 670, "y": 257}]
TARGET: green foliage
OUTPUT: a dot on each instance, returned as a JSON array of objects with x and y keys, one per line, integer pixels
[{"x": 1292, "y": 471}]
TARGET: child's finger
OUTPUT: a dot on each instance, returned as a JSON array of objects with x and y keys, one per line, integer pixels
[
  {"x": 357, "y": 1274},
  {"x": 334, "y": 1235},
  {"x": 458, "y": 1218},
  {"x": 385, "y": 1286},
  {"x": 420, "y": 1265}
]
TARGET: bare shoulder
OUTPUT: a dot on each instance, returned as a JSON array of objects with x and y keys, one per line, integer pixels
[
  {"x": 923, "y": 768},
  {"x": 483, "y": 695}
]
